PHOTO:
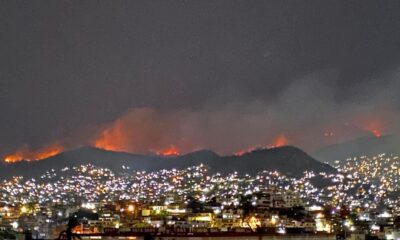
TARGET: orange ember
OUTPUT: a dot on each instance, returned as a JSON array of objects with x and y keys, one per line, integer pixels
[
  {"x": 244, "y": 151},
  {"x": 171, "y": 151},
  {"x": 376, "y": 133},
  {"x": 25, "y": 154},
  {"x": 375, "y": 128},
  {"x": 240, "y": 153}
]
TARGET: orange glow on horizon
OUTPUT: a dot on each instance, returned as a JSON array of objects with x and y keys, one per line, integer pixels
[
  {"x": 25, "y": 154},
  {"x": 171, "y": 151}
]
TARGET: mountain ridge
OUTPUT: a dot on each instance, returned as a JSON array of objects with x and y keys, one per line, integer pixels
[
  {"x": 369, "y": 145},
  {"x": 288, "y": 160}
]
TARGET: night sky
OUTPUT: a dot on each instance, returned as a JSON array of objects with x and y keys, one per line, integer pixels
[{"x": 224, "y": 75}]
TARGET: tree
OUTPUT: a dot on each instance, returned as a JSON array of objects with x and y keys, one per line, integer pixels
[{"x": 195, "y": 205}]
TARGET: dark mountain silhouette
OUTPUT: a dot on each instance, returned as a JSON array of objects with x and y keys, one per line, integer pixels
[
  {"x": 370, "y": 145},
  {"x": 288, "y": 160}
]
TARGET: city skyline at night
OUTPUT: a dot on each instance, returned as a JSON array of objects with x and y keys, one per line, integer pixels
[{"x": 200, "y": 120}]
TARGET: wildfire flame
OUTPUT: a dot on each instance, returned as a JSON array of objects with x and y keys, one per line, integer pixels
[
  {"x": 170, "y": 151},
  {"x": 376, "y": 133},
  {"x": 109, "y": 140},
  {"x": 27, "y": 154},
  {"x": 140, "y": 131},
  {"x": 279, "y": 141},
  {"x": 375, "y": 128},
  {"x": 244, "y": 151}
]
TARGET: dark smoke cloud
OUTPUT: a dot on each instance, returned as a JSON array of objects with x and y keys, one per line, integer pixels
[
  {"x": 304, "y": 112},
  {"x": 223, "y": 75}
]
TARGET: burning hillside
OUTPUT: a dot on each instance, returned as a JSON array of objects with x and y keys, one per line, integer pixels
[
  {"x": 147, "y": 131},
  {"x": 279, "y": 141},
  {"x": 27, "y": 154},
  {"x": 170, "y": 151}
]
